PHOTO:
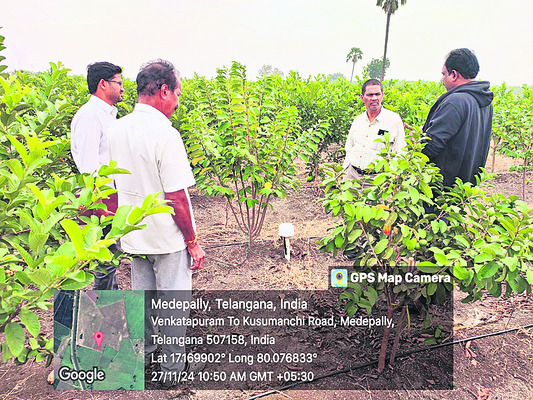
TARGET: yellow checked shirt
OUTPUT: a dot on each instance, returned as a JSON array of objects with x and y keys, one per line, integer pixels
[{"x": 360, "y": 147}]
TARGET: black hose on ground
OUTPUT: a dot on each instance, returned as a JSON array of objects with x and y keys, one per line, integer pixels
[{"x": 404, "y": 354}]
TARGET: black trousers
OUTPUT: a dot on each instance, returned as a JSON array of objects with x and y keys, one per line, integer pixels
[{"x": 107, "y": 280}]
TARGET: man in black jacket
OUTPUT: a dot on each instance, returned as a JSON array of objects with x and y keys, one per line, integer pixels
[{"x": 459, "y": 123}]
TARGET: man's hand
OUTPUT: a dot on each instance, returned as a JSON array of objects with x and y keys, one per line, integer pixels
[
  {"x": 179, "y": 201},
  {"x": 197, "y": 254},
  {"x": 406, "y": 125},
  {"x": 101, "y": 212}
]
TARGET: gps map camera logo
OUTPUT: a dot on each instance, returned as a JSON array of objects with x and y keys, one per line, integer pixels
[{"x": 339, "y": 278}]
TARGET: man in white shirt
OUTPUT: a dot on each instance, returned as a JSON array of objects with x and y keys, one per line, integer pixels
[
  {"x": 89, "y": 139},
  {"x": 361, "y": 148},
  {"x": 145, "y": 143}
]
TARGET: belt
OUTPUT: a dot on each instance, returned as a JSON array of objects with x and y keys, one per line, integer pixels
[{"x": 361, "y": 171}]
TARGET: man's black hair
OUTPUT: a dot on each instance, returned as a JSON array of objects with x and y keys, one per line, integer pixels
[
  {"x": 98, "y": 71},
  {"x": 371, "y": 82},
  {"x": 463, "y": 61},
  {"x": 154, "y": 74}
]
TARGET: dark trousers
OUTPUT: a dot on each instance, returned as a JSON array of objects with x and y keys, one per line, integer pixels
[{"x": 108, "y": 280}]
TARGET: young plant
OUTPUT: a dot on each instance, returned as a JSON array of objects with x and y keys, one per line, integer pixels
[
  {"x": 403, "y": 223},
  {"x": 243, "y": 144},
  {"x": 45, "y": 241},
  {"x": 516, "y": 128}
]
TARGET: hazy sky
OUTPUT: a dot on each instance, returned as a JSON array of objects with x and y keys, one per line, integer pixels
[{"x": 308, "y": 36}]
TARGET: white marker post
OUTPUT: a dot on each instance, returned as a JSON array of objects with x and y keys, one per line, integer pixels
[{"x": 286, "y": 230}]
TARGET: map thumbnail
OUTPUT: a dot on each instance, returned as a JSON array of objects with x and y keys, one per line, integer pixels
[{"x": 99, "y": 340}]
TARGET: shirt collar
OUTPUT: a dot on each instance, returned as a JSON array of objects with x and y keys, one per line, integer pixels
[
  {"x": 377, "y": 116},
  {"x": 152, "y": 111},
  {"x": 97, "y": 101}
]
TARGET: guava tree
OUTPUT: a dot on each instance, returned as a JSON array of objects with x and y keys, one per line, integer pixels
[
  {"x": 513, "y": 124},
  {"x": 46, "y": 242},
  {"x": 404, "y": 222},
  {"x": 243, "y": 143}
]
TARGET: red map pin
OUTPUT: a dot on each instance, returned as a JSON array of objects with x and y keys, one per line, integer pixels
[{"x": 98, "y": 337}]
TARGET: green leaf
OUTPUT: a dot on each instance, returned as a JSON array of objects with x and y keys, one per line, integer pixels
[
  {"x": 28, "y": 259},
  {"x": 52, "y": 221},
  {"x": 38, "y": 193},
  {"x": 529, "y": 276},
  {"x": 149, "y": 200},
  {"x": 391, "y": 219},
  {"x": 346, "y": 296},
  {"x": 75, "y": 235},
  {"x": 430, "y": 341},
  {"x": 81, "y": 282},
  {"x": 20, "y": 149},
  {"x": 34, "y": 344},
  {"x": 352, "y": 237},
  {"x": 460, "y": 272},
  {"x": 508, "y": 227},
  {"x": 23, "y": 356},
  {"x": 441, "y": 258},
  {"x": 41, "y": 277},
  {"x": 372, "y": 295},
  {"x": 6, "y": 353},
  {"x": 488, "y": 270},
  {"x": 112, "y": 169},
  {"x": 367, "y": 214},
  {"x": 339, "y": 240},
  {"x": 382, "y": 244},
  {"x": 101, "y": 253},
  {"x": 135, "y": 216},
  {"x": 14, "y": 338},
  {"x": 31, "y": 321},
  {"x": 119, "y": 219},
  {"x": 36, "y": 241},
  {"x": 378, "y": 180},
  {"x": 16, "y": 167},
  {"x": 159, "y": 210},
  {"x": 427, "y": 267},
  {"x": 415, "y": 196},
  {"x": 462, "y": 241},
  {"x": 481, "y": 258},
  {"x": 426, "y": 189},
  {"x": 431, "y": 289},
  {"x": 388, "y": 253},
  {"x": 511, "y": 262}
]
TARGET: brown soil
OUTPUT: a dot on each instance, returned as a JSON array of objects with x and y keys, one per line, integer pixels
[{"x": 498, "y": 366}]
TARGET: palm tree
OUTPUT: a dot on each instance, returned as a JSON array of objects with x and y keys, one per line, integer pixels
[
  {"x": 389, "y": 7},
  {"x": 354, "y": 55}
]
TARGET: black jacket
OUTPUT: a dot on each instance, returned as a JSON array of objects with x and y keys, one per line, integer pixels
[{"x": 459, "y": 125}]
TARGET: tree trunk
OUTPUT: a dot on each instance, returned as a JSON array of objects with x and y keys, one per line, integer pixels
[
  {"x": 399, "y": 328},
  {"x": 496, "y": 144},
  {"x": 385, "y": 50},
  {"x": 353, "y": 67},
  {"x": 524, "y": 181},
  {"x": 385, "y": 341}
]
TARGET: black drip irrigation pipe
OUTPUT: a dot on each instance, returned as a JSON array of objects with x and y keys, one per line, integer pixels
[{"x": 368, "y": 364}]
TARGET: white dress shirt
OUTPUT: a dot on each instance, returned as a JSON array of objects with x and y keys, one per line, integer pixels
[
  {"x": 360, "y": 147},
  {"x": 89, "y": 134},
  {"x": 145, "y": 143}
]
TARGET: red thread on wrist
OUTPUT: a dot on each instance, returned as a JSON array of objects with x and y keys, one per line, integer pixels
[{"x": 193, "y": 241}]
